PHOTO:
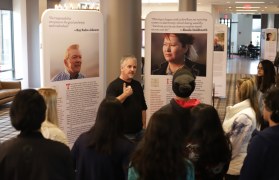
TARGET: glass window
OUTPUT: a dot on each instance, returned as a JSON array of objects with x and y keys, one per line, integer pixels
[{"x": 6, "y": 58}]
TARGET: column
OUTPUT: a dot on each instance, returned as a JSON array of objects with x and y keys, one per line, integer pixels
[
  {"x": 187, "y": 5},
  {"x": 270, "y": 22},
  {"x": 122, "y": 34}
]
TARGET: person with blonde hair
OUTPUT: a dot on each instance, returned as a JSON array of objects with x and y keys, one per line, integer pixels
[
  {"x": 240, "y": 122},
  {"x": 72, "y": 62},
  {"x": 50, "y": 127}
]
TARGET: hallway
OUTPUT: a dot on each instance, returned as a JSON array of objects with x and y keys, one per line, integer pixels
[
  {"x": 242, "y": 65},
  {"x": 235, "y": 65}
]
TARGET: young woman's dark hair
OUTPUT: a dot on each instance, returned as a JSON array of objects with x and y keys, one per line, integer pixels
[
  {"x": 213, "y": 147},
  {"x": 108, "y": 125},
  {"x": 271, "y": 100},
  {"x": 268, "y": 79},
  {"x": 28, "y": 110},
  {"x": 159, "y": 155}
]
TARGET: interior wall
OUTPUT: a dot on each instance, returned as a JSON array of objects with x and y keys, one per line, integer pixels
[
  {"x": 148, "y": 7},
  {"x": 244, "y": 29}
]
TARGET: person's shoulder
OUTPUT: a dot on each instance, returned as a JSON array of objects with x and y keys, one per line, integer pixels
[
  {"x": 81, "y": 76},
  {"x": 59, "y": 77},
  {"x": 8, "y": 144},
  {"x": 197, "y": 68},
  {"x": 161, "y": 70},
  {"x": 115, "y": 83},
  {"x": 136, "y": 82}
]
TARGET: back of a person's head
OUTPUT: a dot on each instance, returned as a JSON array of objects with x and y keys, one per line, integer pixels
[
  {"x": 183, "y": 83},
  {"x": 163, "y": 125},
  {"x": 27, "y": 111},
  {"x": 271, "y": 100},
  {"x": 206, "y": 121},
  {"x": 108, "y": 125},
  {"x": 246, "y": 89},
  {"x": 162, "y": 144},
  {"x": 269, "y": 70},
  {"x": 207, "y": 130},
  {"x": 50, "y": 97}
]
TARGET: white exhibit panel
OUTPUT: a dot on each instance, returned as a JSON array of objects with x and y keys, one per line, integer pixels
[
  {"x": 78, "y": 99},
  {"x": 198, "y": 25},
  {"x": 269, "y": 43},
  {"x": 220, "y": 60}
]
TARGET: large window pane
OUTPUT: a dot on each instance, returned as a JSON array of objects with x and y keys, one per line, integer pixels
[{"x": 6, "y": 58}]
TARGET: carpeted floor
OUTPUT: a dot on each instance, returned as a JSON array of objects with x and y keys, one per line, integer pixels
[
  {"x": 221, "y": 103},
  {"x": 6, "y": 129}
]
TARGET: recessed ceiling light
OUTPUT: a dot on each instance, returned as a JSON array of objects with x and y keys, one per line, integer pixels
[
  {"x": 244, "y": 2},
  {"x": 246, "y": 10},
  {"x": 247, "y": 7}
]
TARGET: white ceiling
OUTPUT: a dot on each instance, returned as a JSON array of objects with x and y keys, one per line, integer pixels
[
  {"x": 230, "y": 6},
  {"x": 223, "y": 6}
]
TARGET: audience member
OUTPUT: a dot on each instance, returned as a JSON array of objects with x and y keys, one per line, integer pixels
[
  {"x": 160, "y": 154},
  {"x": 130, "y": 93},
  {"x": 103, "y": 152},
  {"x": 50, "y": 127},
  {"x": 207, "y": 146},
  {"x": 183, "y": 84},
  {"x": 261, "y": 162},
  {"x": 29, "y": 155},
  {"x": 250, "y": 46},
  {"x": 179, "y": 52},
  {"x": 265, "y": 81},
  {"x": 240, "y": 122},
  {"x": 72, "y": 62}
]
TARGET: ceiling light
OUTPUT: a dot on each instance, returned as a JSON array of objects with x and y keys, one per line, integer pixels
[
  {"x": 246, "y": 10},
  {"x": 243, "y": 2},
  {"x": 247, "y": 7}
]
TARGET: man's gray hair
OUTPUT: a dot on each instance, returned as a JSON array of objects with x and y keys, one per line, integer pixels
[{"x": 125, "y": 58}]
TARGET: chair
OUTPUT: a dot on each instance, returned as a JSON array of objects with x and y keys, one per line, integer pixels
[
  {"x": 8, "y": 90},
  {"x": 242, "y": 50}
]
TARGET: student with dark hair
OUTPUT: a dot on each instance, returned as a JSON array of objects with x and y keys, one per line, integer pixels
[
  {"x": 160, "y": 154},
  {"x": 183, "y": 84},
  {"x": 103, "y": 151},
  {"x": 207, "y": 145},
  {"x": 262, "y": 158},
  {"x": 265, "y": 80},
  {"x": 179, "y": 52},
  {"x": 29, "y": 155}
]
